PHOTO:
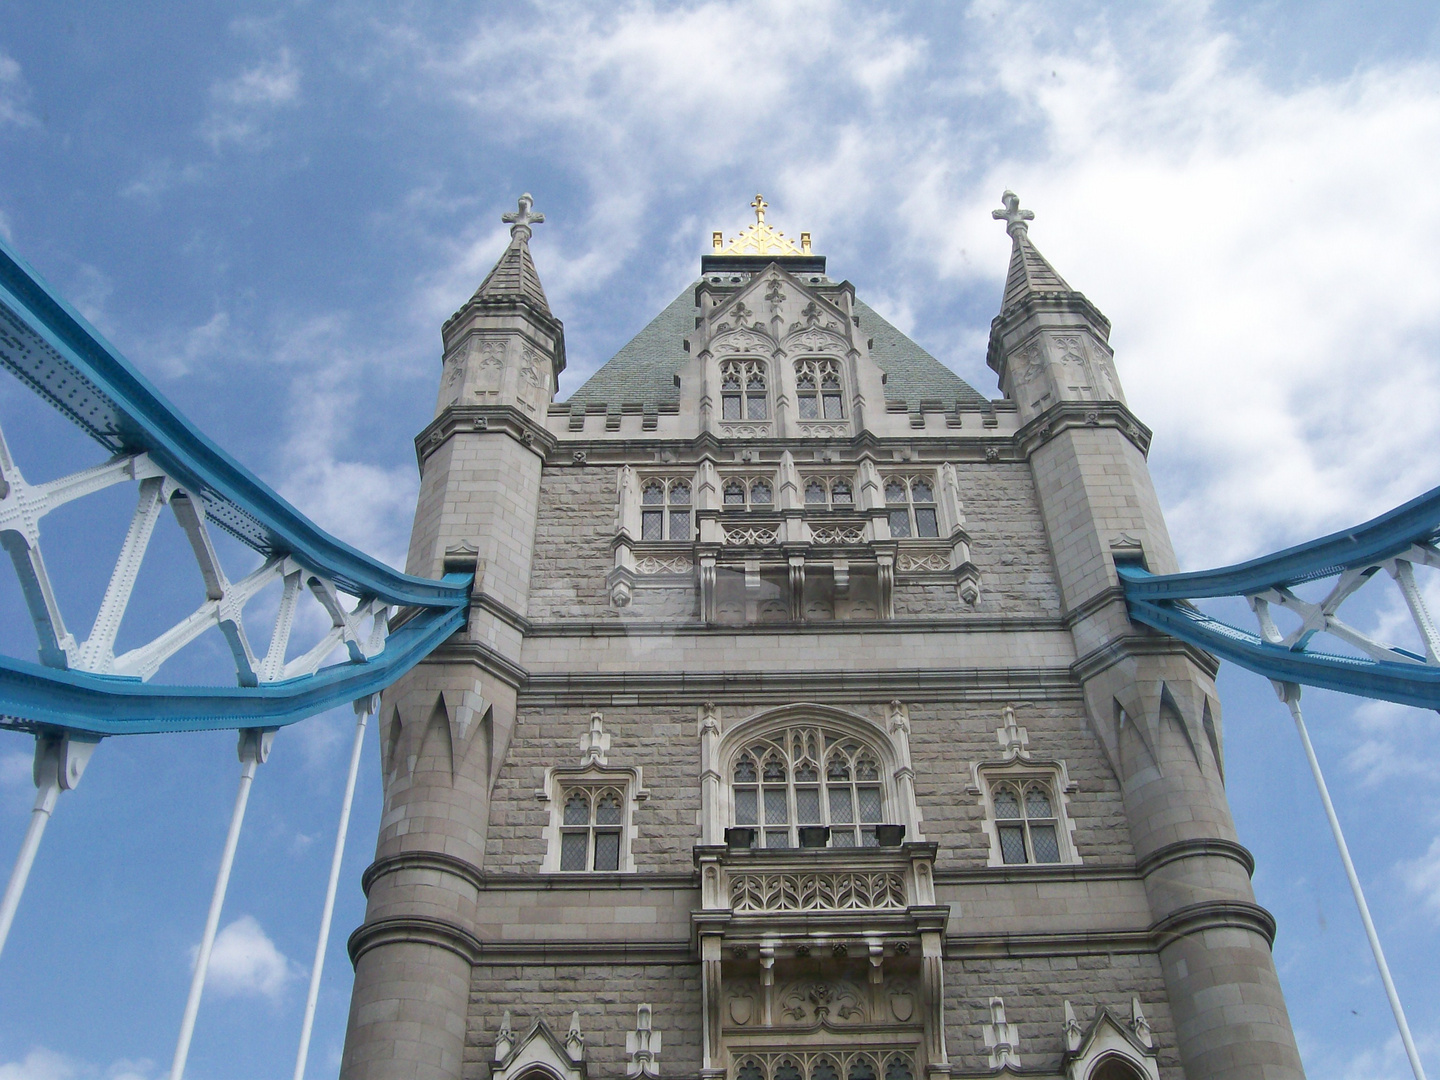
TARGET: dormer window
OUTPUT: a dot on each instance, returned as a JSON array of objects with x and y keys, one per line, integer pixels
[
  {"x": 829, "y": 493},
  {"x": 665, "y": 510},
  {"x": 817, "y": 390},
  {"x": 745, "y": 494},
  {"x": 911, "y": 503},
  {"x": 744, "y": 390}
]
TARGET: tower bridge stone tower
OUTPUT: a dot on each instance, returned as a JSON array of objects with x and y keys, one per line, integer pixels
[{"x": 798, "y": 731}]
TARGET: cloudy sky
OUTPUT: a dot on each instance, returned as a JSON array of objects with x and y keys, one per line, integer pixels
[{"x": 271, "y": 210}]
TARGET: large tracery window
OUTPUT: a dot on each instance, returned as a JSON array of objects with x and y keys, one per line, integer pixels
[
  {"x": 744, "y": 391},
  {"x": 665, "y": 510},
  {"x": 911, "y": 503},
  {"x": 817, "y": 390},
  {"x": 808, "y": 776}
]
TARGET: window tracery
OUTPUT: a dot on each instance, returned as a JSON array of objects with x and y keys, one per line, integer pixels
[
  {"x": 744, "y": 390},
  {"x": 806, "y": 775},
  {"x": 829, "y": 493},
  {"x": 910, "y": 501},
  {"x": 666, "y": 510},
  {"x": 818, "y": 390},
  {"x": 827, "y": 1065},
  {"x": 749, "y": 493}
]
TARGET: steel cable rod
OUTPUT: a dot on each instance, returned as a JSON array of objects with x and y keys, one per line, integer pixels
[
  {"x": 254, "y": 748},
  {"x": 1290, "y": 694},
  {"x": 363, "y": 709}
]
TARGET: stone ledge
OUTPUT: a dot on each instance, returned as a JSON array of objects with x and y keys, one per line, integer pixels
[
  {"x": 1214, "y": 915},
  {"x": 1194, "y": 849}
]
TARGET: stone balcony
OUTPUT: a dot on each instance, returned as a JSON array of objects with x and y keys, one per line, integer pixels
[{"x": 788, "y": 897}]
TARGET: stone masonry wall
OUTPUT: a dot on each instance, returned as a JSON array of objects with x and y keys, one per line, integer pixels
[
  {"x": 1035, "y": 989},
  {"x": 576, "y": 526},
  {"x": 606, "y": 996},
  {"x": 663, "y": 740}
]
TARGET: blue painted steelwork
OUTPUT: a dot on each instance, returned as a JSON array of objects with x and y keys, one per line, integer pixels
[
  {"x": 58, "y": 354},
  {"x": 1406, "y": 534}
]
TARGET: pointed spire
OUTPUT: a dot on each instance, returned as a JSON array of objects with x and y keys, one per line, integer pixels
[
  {"x": 1029, "y": 272},
  {"x": 514, "y": 275}
]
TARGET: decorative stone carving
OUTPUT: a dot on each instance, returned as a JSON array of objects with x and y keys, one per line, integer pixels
[
  {"x": 920, "y": 563},
  {"x": 818, "y": 891},
  {"x": 806, "y": 1003},
  {"x": 651, "y": 564},
  {"x": 1014, "y": 739},
  {"x": 839, "y": 535},
  {"x": 642, "y": 1046},
  {"x": 754, "y": 536},
  {"x": 1002, "y": 1039},
  {"x": 595, "y": 742}
]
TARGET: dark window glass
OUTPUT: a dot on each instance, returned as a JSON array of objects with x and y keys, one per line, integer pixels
[
  {"x": 925, "y": 523},
  {"x": 607, "y": 850}
]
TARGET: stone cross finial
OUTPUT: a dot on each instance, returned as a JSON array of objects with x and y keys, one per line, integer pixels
[
  {"x": 520, "y": 220},
  {"x": 759, "y": 204},
  {"x": 1012, "y": 215}
]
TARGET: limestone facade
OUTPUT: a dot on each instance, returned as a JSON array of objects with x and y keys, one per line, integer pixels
[{"x": 798, "y": 731}]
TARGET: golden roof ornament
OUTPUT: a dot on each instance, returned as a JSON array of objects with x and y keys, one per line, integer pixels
[{"x": 760, "y": 238}]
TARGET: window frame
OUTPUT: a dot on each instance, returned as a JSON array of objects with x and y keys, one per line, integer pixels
[
  {"x": 913, "y": 515},
  {"x": 668, "y": 510},
  {"x": 745, "y": 395},
  {"x": 829, "y": 480},
  {"x": 592, "y": 829},
  {"x": 989, "y": 777},
  {"x": 561, "y": 782},
  {"x": 747, "y": 482},
  {"x": 820, "y": 370}
]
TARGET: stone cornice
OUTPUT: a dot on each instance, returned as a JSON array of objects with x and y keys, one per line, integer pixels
[
  {"x": 481, "y": 881},
  {"x": 1214, "y": 915},
  {"x": 868, "y": 628},
  {"x": 1148, "y": 643},
  {"x": 769, "y": 688},
  {"x": 1042, "y": 303},
  {"x": 481, "y": 654},
  {"x": 483, "y": 419},
  {"x": 934, "y": 447},
  {"x": 1204, "y": 847},
  {"x": 444, "y": 934},
  {"x": 1067, "y": 415}
]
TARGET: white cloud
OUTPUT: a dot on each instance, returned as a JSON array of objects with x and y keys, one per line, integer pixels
[
  {"x": 245, "y": 962},
  {"x": 41, "y": 1064},
  {"x": 242, "y": 105},
  {"x": 1422, "y": 877},
  {"x": 14, "y": 94},
  {"x": 1267, "y": 253}
]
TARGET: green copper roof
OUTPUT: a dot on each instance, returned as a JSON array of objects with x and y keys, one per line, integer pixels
[{"x": 643, "y": 372}]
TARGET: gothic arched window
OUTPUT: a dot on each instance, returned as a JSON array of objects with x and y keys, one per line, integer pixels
[
  {"x": 744, "y": 390},
  {"x": 750, "y": 493},
  {"x": 911, "y": 503},
  {"x": 818, "y": 390},
  {"x": 1026, "y": 822},
  {"x": 806, "y": 775},
  {"x": 590, "y": 828},
  {"x": 665, "y": 510},
  {"x": 829, "y": 492}
]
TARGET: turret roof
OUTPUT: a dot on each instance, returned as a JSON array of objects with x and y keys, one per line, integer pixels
[{"x": 1029, "y": 271}]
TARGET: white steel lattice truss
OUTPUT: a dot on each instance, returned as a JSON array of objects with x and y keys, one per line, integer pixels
[
  {"x": 1320, "y": 616},
  {"x": 360, "y": 627}
]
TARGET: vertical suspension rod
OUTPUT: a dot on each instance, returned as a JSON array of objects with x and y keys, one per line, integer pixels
[
  {"x": 254, "y": 748},
  {"x": 39, "y": 816},
  {"x": 363, "y": 709},
  {"x": 1290, "y": 692},
  {"x": 60, "y": 760}
]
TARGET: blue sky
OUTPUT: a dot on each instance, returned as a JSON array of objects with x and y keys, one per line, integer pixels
[{"x": 271, "y": 209}]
